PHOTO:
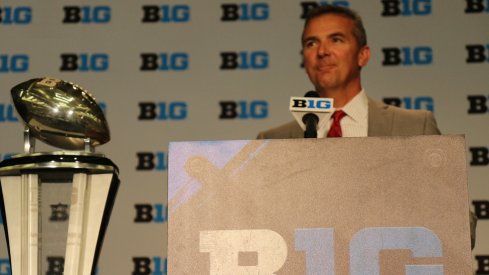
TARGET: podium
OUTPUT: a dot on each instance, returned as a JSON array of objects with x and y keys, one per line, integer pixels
[{"x": 376, "y": 205}]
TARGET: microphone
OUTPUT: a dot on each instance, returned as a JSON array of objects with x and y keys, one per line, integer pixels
[{"x": 310, "y": 112}]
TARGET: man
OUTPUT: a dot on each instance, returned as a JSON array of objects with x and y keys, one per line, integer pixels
[{"x": 335, "y": 50}]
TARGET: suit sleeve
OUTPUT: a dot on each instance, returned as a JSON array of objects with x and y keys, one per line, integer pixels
[{"x": 430, "y": 127}]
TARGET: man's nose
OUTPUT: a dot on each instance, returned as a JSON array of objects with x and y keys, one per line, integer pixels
[{"x": 323, "y": 50}]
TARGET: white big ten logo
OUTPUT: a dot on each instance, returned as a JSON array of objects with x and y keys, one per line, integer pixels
[{"x": 224, "y": 247}]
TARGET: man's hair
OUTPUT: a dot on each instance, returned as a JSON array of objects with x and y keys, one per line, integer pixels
[{"x": 358, "y": 30}]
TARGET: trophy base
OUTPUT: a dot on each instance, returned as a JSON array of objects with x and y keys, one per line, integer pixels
[{"x": 56, "y": 208}]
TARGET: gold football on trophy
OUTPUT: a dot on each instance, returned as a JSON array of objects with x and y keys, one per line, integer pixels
[{"x": 60, "y": 113}]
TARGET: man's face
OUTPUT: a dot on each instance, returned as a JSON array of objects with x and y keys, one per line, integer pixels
[{"x": 332, "y": 57}]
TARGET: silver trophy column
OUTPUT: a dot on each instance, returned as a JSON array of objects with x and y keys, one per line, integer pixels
[{"x": 56, "y": 205}]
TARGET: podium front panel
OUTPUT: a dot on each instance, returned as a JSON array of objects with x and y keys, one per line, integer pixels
[{"x": 386, "y": 205}]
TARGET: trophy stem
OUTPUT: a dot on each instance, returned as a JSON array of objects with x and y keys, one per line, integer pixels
[
  {"x": 29, "y": 141},
  {"x": 88, "y": 145}
]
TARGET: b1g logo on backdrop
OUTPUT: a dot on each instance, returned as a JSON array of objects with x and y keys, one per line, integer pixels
[
  {"x": 245, "y": 12},
  {"x": 256, "y": 60},
  {"x": 477, "y": 53},
  {"x": 479, "y": 156},
  {"x": 86, "y": 14},
  {"x": 7, "y": 113},
  {"x": 5, "y": 267},
  {"x": 14, "y": 63},
  {"x": 152, "y": 161},
  {"x": 481, "y": 209},
  {"x": 151, "y": 213},
  {"x": 178, "y": 61},
  {"x": 174, "y": 110},
  {"x": 4, "y": 157},
  {"x": 482, "y": 264},
  {"x": 166, "y": 14},
  {"x": 406, "y": 7},
  {"x": 84, "y": 62},
  {"x": 307, "y": 6},
  {"x": 477, "y": 6},
  {"x": 149, "y": 266},
  {"x": 478, "y": 104},
  {"x": 407, "y": 56},
  {"x": 255, "y": 109},
  {"x": 417, "y": 103},
  {"x": 15, "y": 16}
]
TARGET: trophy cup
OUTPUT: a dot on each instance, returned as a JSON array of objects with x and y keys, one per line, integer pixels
[{"x": 56, "y": 205}]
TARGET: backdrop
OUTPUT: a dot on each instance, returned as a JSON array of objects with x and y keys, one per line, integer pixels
[{"x": 217, "y": 70}]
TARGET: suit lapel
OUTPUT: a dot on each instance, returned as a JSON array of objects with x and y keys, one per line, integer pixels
[{"x": 380, "y": 120}]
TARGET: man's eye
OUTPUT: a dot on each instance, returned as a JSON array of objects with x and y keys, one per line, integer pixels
[{"x": 310, "y": 44}]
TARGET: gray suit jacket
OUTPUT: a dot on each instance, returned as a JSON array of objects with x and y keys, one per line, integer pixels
[{"x": 383, "y": 120}]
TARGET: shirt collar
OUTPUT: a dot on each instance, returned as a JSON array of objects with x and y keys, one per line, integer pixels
[{"x": 357, "y": 108}]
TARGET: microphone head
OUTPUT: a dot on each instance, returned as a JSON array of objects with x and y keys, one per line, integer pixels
[{"x": 312, "y": 94}]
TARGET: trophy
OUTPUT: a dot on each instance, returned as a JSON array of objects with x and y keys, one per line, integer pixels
[{"x": 56, "y": 205}]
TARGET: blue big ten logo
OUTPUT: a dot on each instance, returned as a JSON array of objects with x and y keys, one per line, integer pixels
[
  {"x": 175, "y": 110},
  {"x": 166, "y": 14},
  {"x": 307, "y": 6},
  {"x": 256, "y": 60},
  {"x": 86, "y": 14},
  {"x": 406, "y": 7},
  {"x": 152, "y": 161},
  {"x": 149, "y": 266},
  {"x": 178, "y": 61},
  {"x": 5, "y": 267},
  {"x": 15, "y": 15},
  {"x": 151, "y": 213},
  {"x": 477, "y": 6},
  {"x": 255, "y": 109},
  {"x": 478, "y": 104},
  {"x": 417, "y": 103},
  {"x": 477, "y": 53},
  {"x": 14, "y": 63},
  {"x": 407, "y": 56},
  {"x": 245, "y": 12},
  {"x": 479, "y": 156},
  {"x": 84, "y": 62},
  {"x": 7, "y": 113}
]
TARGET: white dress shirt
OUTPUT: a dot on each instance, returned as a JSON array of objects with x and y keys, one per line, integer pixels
[{"x": 355, "y": 123}]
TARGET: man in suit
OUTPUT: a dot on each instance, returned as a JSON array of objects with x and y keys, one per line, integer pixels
[{"x": 335, "y": 50}]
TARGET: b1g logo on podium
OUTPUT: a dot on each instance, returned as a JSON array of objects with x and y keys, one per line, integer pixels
[
  {"x": 245, "y": 12},
  {"x": 416, "y": 103},
  {"x": 178, "y": 61},
  {"x": 86, "y": 14},
  {"x": 166, "y": 14},
  {"x": 256, "y": 60},
  {"x": 407, "y": 56},
  {"x": 477, "y": 6},
  {"x": 84, "y": 62},
  {"x": 14, "y": 63},
  {"x": 149, "y": 266},
  {"x": 152, "y": 161},
  {"x": 406, "y": 7},
  {"x": 307, "y": 6},
  {"x": 478, "y": 104},
  {"x": 224, "y": 246},
  {"x": 477, "y": 53},
  {"x": 15, "y": 15},
  {"x": 255, "y": 109},
  {"x": 151, "y": 213}
]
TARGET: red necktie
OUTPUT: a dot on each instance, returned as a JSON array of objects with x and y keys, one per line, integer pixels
[{"x": 335, "y": 129}]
